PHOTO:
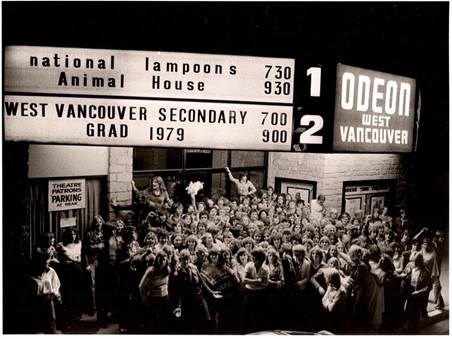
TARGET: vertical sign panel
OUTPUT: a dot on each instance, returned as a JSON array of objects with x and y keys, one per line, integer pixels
[{"x": 374, "y": 111}]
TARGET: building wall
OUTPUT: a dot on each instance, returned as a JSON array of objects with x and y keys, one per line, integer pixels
[
  {"x": 331, "y": 170},
  {"x": 120, "y": 161},
  {"x": 50, "y": 161},
  {"x": 16, "y": 206},
  {"x": 46, "y": 161},
  {"x": 303, "y": 166},
  {"x": 247, "y": 158}
]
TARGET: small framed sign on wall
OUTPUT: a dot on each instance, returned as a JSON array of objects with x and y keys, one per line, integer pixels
[{"x": 297, "y": 188}]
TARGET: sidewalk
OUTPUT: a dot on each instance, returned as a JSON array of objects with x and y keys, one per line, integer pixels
[{"x": 439, "y": 315}]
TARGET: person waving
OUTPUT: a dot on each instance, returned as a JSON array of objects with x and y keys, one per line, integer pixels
[{"x": 245, "y": 187}]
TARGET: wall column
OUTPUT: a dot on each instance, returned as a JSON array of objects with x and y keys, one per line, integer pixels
[{"x": 120, "y": 167}]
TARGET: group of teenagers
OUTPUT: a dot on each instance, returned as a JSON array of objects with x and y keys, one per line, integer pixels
[{"x": 260, "y": 261}]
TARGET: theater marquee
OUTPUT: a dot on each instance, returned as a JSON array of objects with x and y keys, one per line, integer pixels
[
  {"x": 137, "y": 98},
  {"x": 188, "y": 100},
  {"x": 159, "y": 123},
  {"x": 374, "y": 111},
  {"x": 148, "y": 74}
]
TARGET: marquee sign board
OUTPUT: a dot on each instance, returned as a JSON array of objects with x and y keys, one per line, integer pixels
[
  {"x": 188, "y": 100},
  {"x": 148, "y": 74},
  {"x": 374, "y": 111},
  {"x": 158, "y": 123}
]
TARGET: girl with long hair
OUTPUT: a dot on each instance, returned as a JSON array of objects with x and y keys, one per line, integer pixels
[{"x": 153, "y": 289}]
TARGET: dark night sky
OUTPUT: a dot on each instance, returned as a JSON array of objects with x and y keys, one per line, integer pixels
[{"x": 409, "y": 39}]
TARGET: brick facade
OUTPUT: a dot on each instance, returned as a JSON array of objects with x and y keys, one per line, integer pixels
[
  {"x": 120, "y": 176},
  {"x": 331, "y": 170},
  {"x": 328, "y": 170}
]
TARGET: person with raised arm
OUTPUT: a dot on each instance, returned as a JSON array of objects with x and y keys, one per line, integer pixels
[
  {"x": 154, "y": 200},
  {"x": 244, "y": 186}
]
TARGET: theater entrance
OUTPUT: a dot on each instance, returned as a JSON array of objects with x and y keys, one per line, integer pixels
[{"x": 368, "y": 196}]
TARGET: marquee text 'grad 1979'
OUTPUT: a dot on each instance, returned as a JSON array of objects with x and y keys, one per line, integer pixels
[{"x": 147, "y": 123}]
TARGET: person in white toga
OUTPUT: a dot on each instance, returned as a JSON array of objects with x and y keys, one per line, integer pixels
[{"x": 318, "y": 208}]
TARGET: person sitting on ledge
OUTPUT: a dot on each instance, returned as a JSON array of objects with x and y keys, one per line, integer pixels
[{"x": 154, "y": 199}]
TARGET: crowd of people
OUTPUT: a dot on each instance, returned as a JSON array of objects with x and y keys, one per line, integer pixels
[{"x": 259, "y": 261}]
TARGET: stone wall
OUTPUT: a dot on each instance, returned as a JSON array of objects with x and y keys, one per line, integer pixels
[
  {"x": 303, "y": 166},
  {"x": 361, "y": 167},
  {"x": 120, "y": 176},
  {"x": 331, "y": 170}
]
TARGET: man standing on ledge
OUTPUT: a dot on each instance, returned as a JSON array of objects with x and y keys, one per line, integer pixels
[{"x": 244, "y": 186}]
